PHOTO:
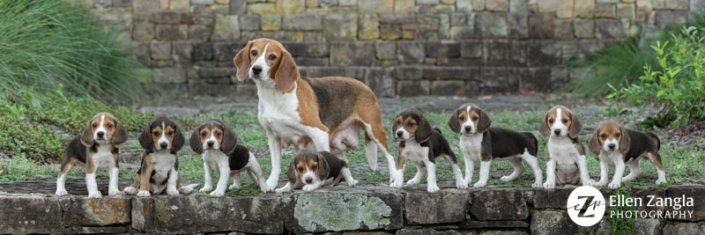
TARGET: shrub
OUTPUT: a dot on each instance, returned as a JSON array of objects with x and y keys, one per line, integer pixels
[
  {"x": 44, "y": 44},
  {"x": 679, "y": 86}
]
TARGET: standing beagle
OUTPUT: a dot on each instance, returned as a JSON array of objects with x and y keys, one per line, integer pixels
[
  {"x": 159, "y": 171},
  {"x": 617, "y": 145},
  {"x": 223, "y": 154},
  {"x": 311, "y": 170},
  {"x": 480, "y": 142},
  {"x": 96, "y": 148},
  {"x": 566, "y": 159},
  {"x": 325, "y": 113},
  {"x": 421, "y": 144}
]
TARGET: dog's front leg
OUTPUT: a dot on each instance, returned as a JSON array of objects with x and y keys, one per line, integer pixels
[{"x": 275, "y": 149}]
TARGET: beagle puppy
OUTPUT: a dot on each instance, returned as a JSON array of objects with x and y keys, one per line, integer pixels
[
  {"x": 311, "y": 170},
  {"x": 97, "y": 147},
  {"x": 325, "y": 113},
  {"x": 566, "y": 160},
  {"x": 617, "y": 145},
  {"x": 222, "y": 153},
  {"x": 480, "y": 142},
  {"x": 159, "y": 171},
  {"x": 421, "y": 144}
]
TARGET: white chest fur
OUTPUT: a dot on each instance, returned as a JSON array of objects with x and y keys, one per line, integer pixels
[
  {"x": 471, "y": 145},
  {"x": 611, "y": 156},
  {"x": 563, "y": 151},
  {"x": 215, "y": 159},
  {"x": 278, "y": 113},
  {"x": 163, "y": 163},
  {"x": 414, "y": 152},
  {"x": 103, "y": 158}
]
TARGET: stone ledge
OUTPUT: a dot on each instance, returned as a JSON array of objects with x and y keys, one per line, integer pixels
[{"x": 368, "y": 207}]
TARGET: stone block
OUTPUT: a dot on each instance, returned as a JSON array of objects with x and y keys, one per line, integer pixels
[
  {"x": 541, "y": 25},
  {"x": 106, "y": 211},
  {"x": 167, "y": 17},
  {"x": 375, "y": 6},
  {"x": 412, "y": 88},
  {"x": 429, "y": 231},
  {"x": 563, "y": 29},
  {"x": 465, "y": 6},
  {"x": 663, "y": 18},
  {"x": 363, "y": 210},
  {"x": 302, "y": 22},
  {"x": 389, "y": 32},
  {"x": 352, "y": 53},
  {"x": 340, "y": 27},
  {"x": 169, "y": 75},
  {"x": 497, "y": 5},
  {"x": 225, "y": 51},
  {"x": 689, "y": 191},
  {"x": 551, "y": 199},
  {"x": 678, "y": 4},
  {"x": 411, "y": 52},
  {"x": 368, "y": 28},
  {"x": 202, "y": 2},
  {"x": 143, "y": 31},
  {"x": 226, "y": 27},
  {"x": 471, "y": 49},
  {"x": 696, "y": 5},
  {"x": 307, "y": 61},
  {"x": 609, "y": 29},
  {"x": 549, "y": 6},
  {"x": 404, "y": 6},
  {"x": 202, "y": 51},
  {"x": 171, "y": 32},
  {"x": 271, "y": 22},
  {"x": 238, "y": 7},
  {"x": 544, "y": 53},
  {"x": 584, "y": 8},
  {"x": 471, "y": 224},
  {"x": 141, "y": 51},
  {"x": 407, "y": 72},
  {"x": 584, "y": 28},
  {"x": 443, "y": 49},
  {"x": 498, "y": 204},
  {"x": 462, "y": 32},
  {"x": 449, "y": 73},
  {"x": 566, "y": 9},
  {"x": 684, "y": 228},
  {"x": 261, "y": 8},
  {"x": 160, "y": 50},
  {"x": 518, "y": 26},
  {"x": 30, "y": 214},
  {"x": 142, "y": 6},
  {"x": 495, "y": 80},
  {"x": 517, "y": 55},
  {"x": 605, "y": 11},
  {"x": 249, "y": 22},
  {"x": 122, "y": 3},
  {"x": 386, "y": 50},
  {"x": 627, "y": 11},
  {"x": 199, "y": 32},
  {"x": 491, "y": 25},
  {"x": 497, "y": 52},
  {"x": 447, "y": 206},
  {"x": 307, "y": 49},
  {"x": 518, "y": 6},
  {"x": 449, "y": 88},
  {"x": 182, "y": 52},
  {"x": 380, "y": 81},
  {"x": 552, "y": 222},
  {"x": 291, "y": 6},
  {"x": 647, "y": 226}
]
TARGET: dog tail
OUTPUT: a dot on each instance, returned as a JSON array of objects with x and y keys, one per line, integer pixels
[
  {"x": 187, "y": 189},
  {"x": 658, "y": 141}
]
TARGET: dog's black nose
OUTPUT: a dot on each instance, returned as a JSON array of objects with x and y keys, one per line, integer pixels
[
  {"x": 557, "y": 132},
  {"x": 309, "y": 180},
  {"x": 468, "y": 128},
  {"x": 256, "y": 69},
  {"x": 163, "y": 145},
  {"x": 210, "y": 143},
  {"x": 400, "y": 133},
  {"x": 100, "y": 134},
  {"x": 611, "y": 146}
]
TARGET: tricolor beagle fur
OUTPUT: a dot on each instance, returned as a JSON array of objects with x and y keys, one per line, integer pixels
[
  {"x": 480, "y": 142},
  {"x": 96, "y": 148},
  {"x": 566, "y": 160},
  {"x": 325, "y": 113},
  {"x": 223, "y": 154},
  {"x": 311, "y": 170},
  {"x": 617, "y": 145},
  {"x": 421, "y": 144},
  {"x": 159, "y": 171}
]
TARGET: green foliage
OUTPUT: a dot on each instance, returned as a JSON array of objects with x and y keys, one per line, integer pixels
[
  {"x": 679, "y": 87},
  {"x": 620, "y": 225},
  {"x": 45, "y": 44}
]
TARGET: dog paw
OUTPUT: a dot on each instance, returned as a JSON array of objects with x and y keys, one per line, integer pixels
[
  {"x": 234, "y": 186},
  {"x": 130, "y": 190},
  {"x": 61, "y": 192},
  {"x": 598, "y": 184},
  {"x": 507, "y": 178},
  {"x": 309, "y": 188},
  {"x": 461, "y": 184},
  {"x": 479, "y": 184},
  {"x": 660, "y": 181},
  {"x": 613, "y": 185},
  {"x": 206, "y": 189},
  {"x": 115, "y": 192},
  {"x": 352, "y": 183},
  {"x": 537, "y": 185},
  {"x": 395, "y": 184},
  {"x": 94, "y": 194},
  {"x": 217, "y": 193},
  {"x": 143, "y": 193},
  {"x": 282, "y": 190},
  {"x": 272, "y": 182},
  {"x": 172, "y": 192},
  {"x": 413, "y": 182},
  {"x": 548, "y": 185},
  {"x": 433, "y": 188}
]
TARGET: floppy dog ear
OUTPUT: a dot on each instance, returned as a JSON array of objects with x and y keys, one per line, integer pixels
[
  {"x": 242, "y": 62},
  {"x": 484, "y": 122},
  {"x": 120, "y": 135},
  {"x": 146, "y": 140},
  {"x": 424, "y": 132},
  {"x": 286, "y": 73},
  {"x": 195, "y": 141},
  {"x": 292, "y": 176},
  {"x": 178, "y": 142},
  {"x": 624, "y": 141},
  {"x": 453, "y": 122},
  {"x": 87, "y": 136},
  {"x": 594, "y": 145},
  {"x": 229, "y": 140},
  {"x": 545, "y": 129},
  {"x": 323, "y": 168},
  {"x": 575, "y": 126}
]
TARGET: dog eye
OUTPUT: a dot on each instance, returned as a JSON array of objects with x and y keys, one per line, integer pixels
[
  {"x": 254, "y": 53},
  {"x": 462, "y": 118},
  {"x": 603, "y": 136},
  {"x": 300, "y": 169},
  {"x": 617, "y": 135},
  {"x": 314, "y": 167},
  {"x": 156, "y": 133},
  {"x": 564, "y": 120},
  {"x": 411, "y": 124},
  {"x": 217, "y": 134},
  {"x": 475, "y": 118},
  {"x": 550, "y": 121},
  {"x": 272, "y": 57},
  {"x": 170, "y": 133},
  {"x": 203, "y": 134},
  {"x": 110, "y": 125}
]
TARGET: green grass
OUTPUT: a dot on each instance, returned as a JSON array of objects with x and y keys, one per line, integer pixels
[{"x": 682, "y": 164}]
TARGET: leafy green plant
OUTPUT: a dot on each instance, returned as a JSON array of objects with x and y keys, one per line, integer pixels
[
  {"x": 620, "y": 225},
  {"x": 679, "y": 87}
]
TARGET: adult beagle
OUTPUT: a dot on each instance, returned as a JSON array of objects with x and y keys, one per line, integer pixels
[
  {"x": 617, "y": 145},
  {"x": 159, "y": 171},
  {"x": 325, "y": 113},
  {"x": 566, "y": 161},
  {"x": 480, "y": 142},
  {"x": 311, "y": 170},
  {"x": 222, "y": 153},
  {"x": 421, "y": 144},
  {"x": 97, "y": 147}
]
